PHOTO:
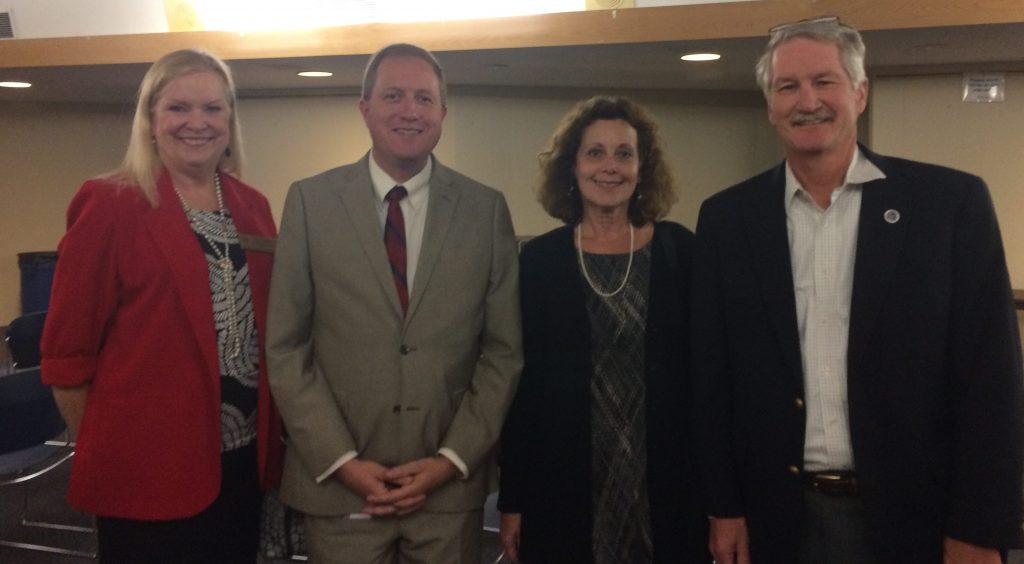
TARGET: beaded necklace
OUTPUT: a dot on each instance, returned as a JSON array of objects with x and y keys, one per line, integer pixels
[
  {"x": 583, "y": 264},
  {"x": 224, "y": 264}
]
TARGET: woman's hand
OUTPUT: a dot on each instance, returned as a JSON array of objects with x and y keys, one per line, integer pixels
[
  {"x": 71, "y": 404},
  {"x": 509, "y": 534}
]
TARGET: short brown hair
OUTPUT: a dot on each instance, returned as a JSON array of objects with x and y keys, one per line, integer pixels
[
  {"x": 396, "y": 50},
  {"x": 655, "y": 193}
]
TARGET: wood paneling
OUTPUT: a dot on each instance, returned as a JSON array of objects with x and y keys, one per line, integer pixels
[{"x": 704, "y": 21}]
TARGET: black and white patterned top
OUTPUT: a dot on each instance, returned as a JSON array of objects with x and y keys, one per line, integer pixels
[
  {"x": 239, "y": 375},
  {"x": 621, "y": 509}
]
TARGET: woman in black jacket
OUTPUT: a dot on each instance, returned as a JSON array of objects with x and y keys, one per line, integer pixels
[{"x": 595, "y": 459}]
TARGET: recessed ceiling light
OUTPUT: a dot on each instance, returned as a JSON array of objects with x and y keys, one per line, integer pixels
[
  {"x": 15, "y": 84},
  {"x": 701, "y": 57},
  {"x": 316, "y": 74}
]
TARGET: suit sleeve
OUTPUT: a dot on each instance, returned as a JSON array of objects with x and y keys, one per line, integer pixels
[
  {"x": 712, "y": 399},
  {"x": 516, "y": 455},
  {"x": 475, "y": 429},
  {"x": 84, "y": 297},
  {"x": 985, "y": 496},
  {"x": 316, "y": 427}
]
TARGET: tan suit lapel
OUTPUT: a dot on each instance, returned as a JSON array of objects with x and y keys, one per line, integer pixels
[
  {"x": 358, "y": 200},
  {"x": 440, "y": 211}
]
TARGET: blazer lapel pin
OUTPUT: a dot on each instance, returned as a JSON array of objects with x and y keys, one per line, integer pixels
[{"x": 891, "y": 216}]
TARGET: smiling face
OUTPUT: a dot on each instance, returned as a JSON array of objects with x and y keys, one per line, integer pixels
[
  {"x": 404, "y": 114},
  {"x": 812, "y": 102},
  {"x": 191, "y": 123},
  {"x": 607, "y": 165}
]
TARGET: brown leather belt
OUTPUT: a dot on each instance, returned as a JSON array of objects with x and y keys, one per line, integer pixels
[{"x": 838, "y": 483}]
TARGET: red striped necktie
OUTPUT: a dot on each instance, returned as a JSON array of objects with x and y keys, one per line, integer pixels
[{"x": 394, "y": 240}]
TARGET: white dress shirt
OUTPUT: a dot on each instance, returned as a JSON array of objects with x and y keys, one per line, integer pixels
[
  {"x": 414, "y": 211},
  {"x": 822, "y": 247}
]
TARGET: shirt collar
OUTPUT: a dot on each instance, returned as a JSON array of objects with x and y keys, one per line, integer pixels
[
  {"x": 860, "y": 171},
  {"x": 383, "y": 183}
]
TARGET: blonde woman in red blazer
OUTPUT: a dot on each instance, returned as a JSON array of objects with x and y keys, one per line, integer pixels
[{"x": 154, "y": 339}]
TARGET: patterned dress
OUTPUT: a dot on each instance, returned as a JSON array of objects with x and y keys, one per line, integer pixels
[{"x": 621, "y": 527}]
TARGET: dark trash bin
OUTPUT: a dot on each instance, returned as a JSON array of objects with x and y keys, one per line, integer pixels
[{"x": 36, "y": 279}]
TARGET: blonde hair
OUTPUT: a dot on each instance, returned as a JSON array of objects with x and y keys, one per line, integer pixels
[{"x": 141, "y": 165}]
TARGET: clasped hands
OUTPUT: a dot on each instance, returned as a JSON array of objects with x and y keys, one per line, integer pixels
[{"x": 395, "y": 491}]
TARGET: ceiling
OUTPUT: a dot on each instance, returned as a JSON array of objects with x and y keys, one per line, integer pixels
[{"x": 647, "y": 66}]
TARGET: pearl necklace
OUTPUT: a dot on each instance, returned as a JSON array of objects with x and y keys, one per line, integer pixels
[
  {"x": 224, "y": 264},
  {"x": 583, "y": 264}
]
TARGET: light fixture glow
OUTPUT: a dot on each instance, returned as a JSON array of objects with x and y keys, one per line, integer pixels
[
  {"x": 13, "y": 84},
  {"x": 315, "y": 74},
  {"x": 267, "y": 15},
  {"x": 701, "y": 57}
]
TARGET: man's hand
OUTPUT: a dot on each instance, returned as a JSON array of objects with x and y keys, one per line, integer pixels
[
  {"x": 409, "y": 485},
  {"x": 365, "y": 478},
  {"x": 960, "y": 552},
  {"x": 728, "y": 540},
  {"x": 511, "y": 524}
]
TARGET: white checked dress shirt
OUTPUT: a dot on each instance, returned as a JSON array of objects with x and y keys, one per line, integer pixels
[{"x": 822, "y": 246}]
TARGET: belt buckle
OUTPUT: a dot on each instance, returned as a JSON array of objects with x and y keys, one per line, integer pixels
[{"x": 839, "y": 484}]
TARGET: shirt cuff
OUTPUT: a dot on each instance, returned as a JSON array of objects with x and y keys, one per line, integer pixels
[
  {"x": 454, "y": 458},
  {"x": 337, "y": 464}
]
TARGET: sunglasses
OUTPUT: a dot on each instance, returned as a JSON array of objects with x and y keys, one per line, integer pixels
[{"x": 824, "y": 21}]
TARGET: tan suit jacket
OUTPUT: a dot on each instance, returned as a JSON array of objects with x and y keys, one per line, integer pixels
[{"x": 349, "y": 372}]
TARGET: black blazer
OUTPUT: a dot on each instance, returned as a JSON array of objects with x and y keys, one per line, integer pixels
[
  {"x": 934, "y": 368},
  {"x": 546, "y": 457}
]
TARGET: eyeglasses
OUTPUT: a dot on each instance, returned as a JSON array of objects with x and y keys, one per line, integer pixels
[{"x": 822, "y": 21}]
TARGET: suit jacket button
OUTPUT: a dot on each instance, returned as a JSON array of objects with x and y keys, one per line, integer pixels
[
  {"x": 799, "y": 402},
  {"x": 793, "y": 469},
  {"x": 404, "y": 349}
]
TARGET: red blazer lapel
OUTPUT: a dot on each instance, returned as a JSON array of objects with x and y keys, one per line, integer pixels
[{"x": 170, "y": 230}]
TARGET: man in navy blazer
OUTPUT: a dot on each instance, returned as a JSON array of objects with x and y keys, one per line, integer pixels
[{"x": 857, "y": 362}]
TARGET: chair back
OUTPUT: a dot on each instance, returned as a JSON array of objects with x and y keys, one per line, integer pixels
[
  {"x": 28, "y": 414},
  {"x": 23, "y": 337}
]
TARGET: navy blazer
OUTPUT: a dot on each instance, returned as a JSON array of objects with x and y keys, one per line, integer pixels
[
  {"x": 934, "y": 367},
  {"x": 546, "y": 454}
]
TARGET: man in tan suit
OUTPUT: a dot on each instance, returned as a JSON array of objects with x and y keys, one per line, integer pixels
[{"x": 394, "y": 335}]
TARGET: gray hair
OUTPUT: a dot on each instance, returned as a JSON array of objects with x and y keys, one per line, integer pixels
[{"x": 829, "y": 30}]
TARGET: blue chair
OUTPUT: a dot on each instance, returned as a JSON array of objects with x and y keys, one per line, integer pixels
[
  {"x": 23, "y": 337},
  {"x": 33, "y": 437}
]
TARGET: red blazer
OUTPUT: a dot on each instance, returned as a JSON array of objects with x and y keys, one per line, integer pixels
[{"x": 130, "y": 315}]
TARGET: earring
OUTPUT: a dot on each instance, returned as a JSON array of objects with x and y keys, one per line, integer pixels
[{"x": 572, "y": 188}]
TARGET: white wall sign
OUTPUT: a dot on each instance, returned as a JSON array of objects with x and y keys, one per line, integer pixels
[{"x": 987, "y": 87}]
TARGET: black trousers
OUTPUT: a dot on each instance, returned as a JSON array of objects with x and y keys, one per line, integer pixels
[{"x": 226, "y": 532}]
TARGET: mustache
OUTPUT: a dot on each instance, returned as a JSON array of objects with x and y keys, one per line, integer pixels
[{"x": 813, "y": 117}]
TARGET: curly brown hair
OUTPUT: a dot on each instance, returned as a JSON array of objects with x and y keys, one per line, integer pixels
[{"x": 655, "y": 193}]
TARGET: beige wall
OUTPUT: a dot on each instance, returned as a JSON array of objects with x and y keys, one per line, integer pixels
[
  {"x": 710, "y": 143},
  {"x": 924, "y": 118},
  {"x": 712, "y": 140},
  {"x": 45, "y": 153}
]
